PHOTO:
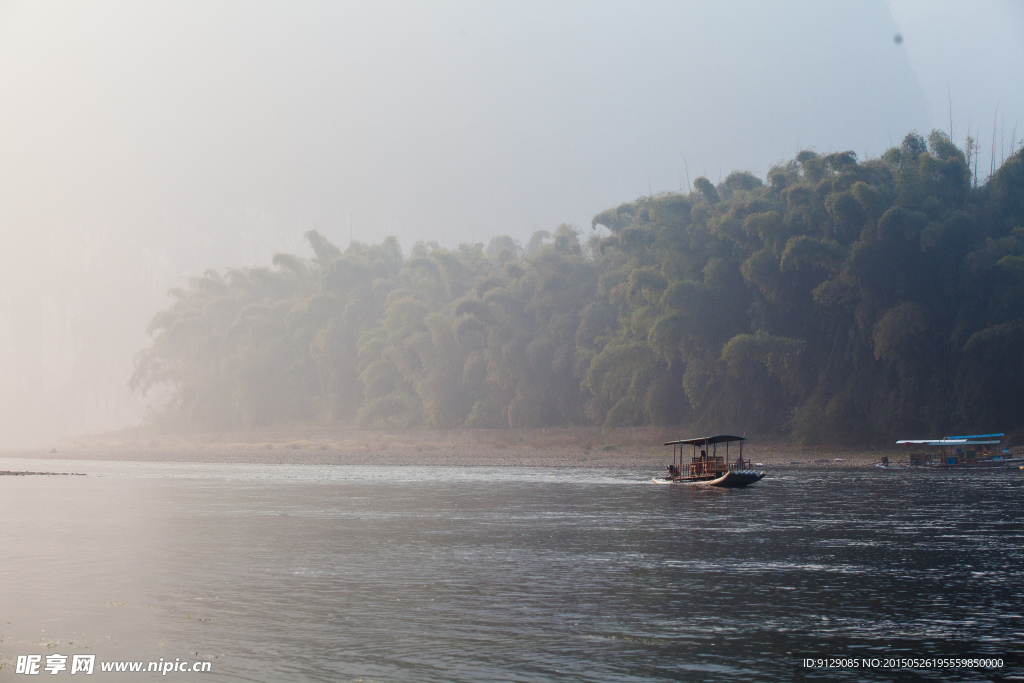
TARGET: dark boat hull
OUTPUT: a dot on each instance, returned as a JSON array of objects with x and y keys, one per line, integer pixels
[{"x": 1009, "y": 463}]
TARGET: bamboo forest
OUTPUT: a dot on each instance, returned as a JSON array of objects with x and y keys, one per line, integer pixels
[{"x": 838, "y": 300}]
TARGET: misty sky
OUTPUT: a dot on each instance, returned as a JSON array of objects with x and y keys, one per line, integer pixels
[{"x": 142, "y": 142}]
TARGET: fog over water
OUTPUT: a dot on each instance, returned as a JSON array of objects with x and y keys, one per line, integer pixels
[{"x": 141, "y": 143}]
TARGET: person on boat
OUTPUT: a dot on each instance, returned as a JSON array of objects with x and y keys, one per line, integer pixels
[{"x": 673, "y": 471}]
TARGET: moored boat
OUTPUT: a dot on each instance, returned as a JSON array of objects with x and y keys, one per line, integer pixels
[
  {"x": 709, "y": 468},
  {"x": 960, "y": 452}
]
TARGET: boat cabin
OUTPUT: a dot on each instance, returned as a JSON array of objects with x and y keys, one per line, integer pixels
[
  {"x": 973, "y": 450},
  {"x": 704, "y": 461}
]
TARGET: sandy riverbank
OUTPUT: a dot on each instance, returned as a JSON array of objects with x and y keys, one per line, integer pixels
[{"x": 566, "y": 447}]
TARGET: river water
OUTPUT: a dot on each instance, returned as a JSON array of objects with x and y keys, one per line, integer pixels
[{"x": 327, "y": 573}]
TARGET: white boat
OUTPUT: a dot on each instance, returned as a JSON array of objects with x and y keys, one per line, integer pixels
[{"x": 960, "y": 452}]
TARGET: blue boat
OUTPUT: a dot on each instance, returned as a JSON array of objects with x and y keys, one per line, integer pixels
[{"x": 959, "y": 452}]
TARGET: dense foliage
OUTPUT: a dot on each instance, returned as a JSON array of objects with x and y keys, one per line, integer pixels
[{"x": 839, "y": 301}]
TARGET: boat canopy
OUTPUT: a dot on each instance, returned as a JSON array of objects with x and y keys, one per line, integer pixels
[
  {"x": 973, "y": 441},
  {"x": 700, "y": 441},
  {"x": 974, "y": 436}
]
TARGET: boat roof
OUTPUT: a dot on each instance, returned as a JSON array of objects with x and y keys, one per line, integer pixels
[
  {"x": 949, "y": 442},
  {"x": 698, "y": 441},
  {"x": 968, "y": 440}
]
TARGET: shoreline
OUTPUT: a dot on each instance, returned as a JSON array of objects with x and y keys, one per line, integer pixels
[{"x": 563, "y": 447}]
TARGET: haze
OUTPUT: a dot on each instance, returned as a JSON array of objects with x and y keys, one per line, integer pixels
[{"x": 141, "y": 143}]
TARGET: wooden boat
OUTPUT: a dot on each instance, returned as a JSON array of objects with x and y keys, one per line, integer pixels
[
  {"x": 707, "y": 467},
  {"x": 960, "y": 452}
]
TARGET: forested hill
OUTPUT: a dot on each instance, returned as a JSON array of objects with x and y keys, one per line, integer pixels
[{"x": 838, "y": 301}]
